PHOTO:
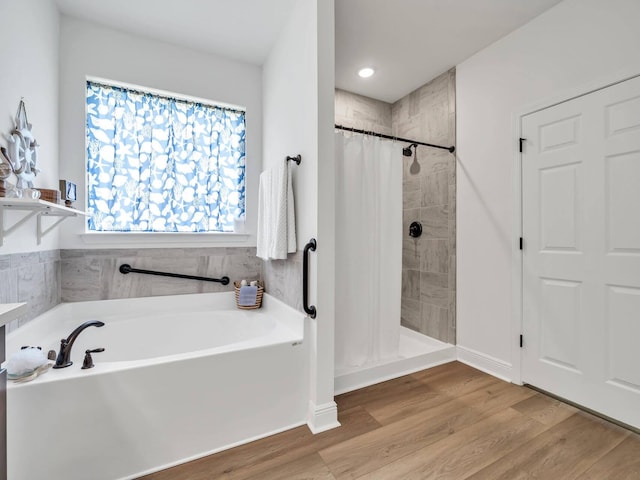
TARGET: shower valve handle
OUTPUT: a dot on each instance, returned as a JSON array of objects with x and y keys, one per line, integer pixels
[{"x": 415, "y": 229}]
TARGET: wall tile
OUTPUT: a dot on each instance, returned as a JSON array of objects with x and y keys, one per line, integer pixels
[
  {"x": 434, "y": 221},
  {"x": 352, "y": 110},
  {"x": 411, "y": 200},
  {"x": 81, "y": 279},
  {"x": 452, "y": 273},
  {"x": 434, "y": 255},
  {"x": 411, "y": 284},
  {"x": 411, "y": 314},
  {"x": 434, "y": 288},
  {"x": 433, "y": 161},
  {"x": 434, "y": 189},
  {"x": 435, "y": 321},
  {"x": 283, "y": 279},
  {"x": 411, "y": 252},
  {"x": 452, "y": 235}
]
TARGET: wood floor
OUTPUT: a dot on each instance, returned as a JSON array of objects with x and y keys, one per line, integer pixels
[{"x": 448, "y": 422}]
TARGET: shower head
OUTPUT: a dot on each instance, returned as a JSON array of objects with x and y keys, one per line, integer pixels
[{"x": 407, "y": 150}]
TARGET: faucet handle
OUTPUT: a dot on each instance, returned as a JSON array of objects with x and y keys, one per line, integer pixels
[{"x": 88, "y": 360}]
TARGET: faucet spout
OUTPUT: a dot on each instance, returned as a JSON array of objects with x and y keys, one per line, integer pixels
[{"x": 64, "y": 355}]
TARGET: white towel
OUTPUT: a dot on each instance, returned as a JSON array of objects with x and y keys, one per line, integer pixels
[{"x": 276, "y": 214}]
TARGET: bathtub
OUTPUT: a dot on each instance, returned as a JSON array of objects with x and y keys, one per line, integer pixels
[{"x": 181, "y": 377}]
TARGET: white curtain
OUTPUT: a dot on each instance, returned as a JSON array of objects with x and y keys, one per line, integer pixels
[{"x": 368, "y": 250}]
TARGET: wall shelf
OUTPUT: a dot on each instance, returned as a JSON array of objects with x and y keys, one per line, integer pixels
[{"x": 34, "y": 208}]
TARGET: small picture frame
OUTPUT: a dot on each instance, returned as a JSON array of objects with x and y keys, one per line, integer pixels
[{"x": 68, "y": 192}]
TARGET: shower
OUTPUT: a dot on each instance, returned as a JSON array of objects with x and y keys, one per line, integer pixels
[
  {"x": 407, "y": 150},
  {"x": 414, "y": 169},
  {"x": 381, "y": 331}
]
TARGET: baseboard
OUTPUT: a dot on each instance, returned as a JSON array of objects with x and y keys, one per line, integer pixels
[
  {"x": 322, "y": 417},
  {"x": 382, "y": 373},
  {"x": 485, "y": 363}
]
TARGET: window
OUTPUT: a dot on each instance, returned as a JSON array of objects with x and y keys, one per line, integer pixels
[{"x": 162, "y": 164}]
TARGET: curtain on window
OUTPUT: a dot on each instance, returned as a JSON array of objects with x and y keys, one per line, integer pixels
[{"x": 157, "y": 164}]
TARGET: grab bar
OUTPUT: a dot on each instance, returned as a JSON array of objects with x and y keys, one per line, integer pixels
[
  {"x": 309, "y": 309},
  {"x": 125, "y": 268}
]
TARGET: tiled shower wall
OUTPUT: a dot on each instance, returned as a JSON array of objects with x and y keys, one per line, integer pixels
[
  {"x": 365, "y": 113},
  {"x": 33, "y": 278},
  {"x": 429, "y": 196},
  {"x": 428, "y": 263}
]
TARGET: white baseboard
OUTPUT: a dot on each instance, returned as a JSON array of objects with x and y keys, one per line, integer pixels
[
  {"x": 485, "y": 363},
  {"x": 382, "y": 373},
  {"x": 322, "y": 417}
]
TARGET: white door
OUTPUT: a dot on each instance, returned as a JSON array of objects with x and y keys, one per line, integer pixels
[{"x": 581, "y": 257}]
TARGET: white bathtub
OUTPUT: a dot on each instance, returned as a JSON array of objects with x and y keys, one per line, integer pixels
[{"x": 181, "y": 377}]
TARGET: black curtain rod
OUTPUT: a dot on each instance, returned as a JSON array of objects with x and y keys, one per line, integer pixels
[{"x": 391, "y": 137}]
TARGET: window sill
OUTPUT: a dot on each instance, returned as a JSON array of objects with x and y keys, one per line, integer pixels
[{"x": 226, "y": 239}]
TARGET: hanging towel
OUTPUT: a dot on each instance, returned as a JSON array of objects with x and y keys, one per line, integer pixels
[{"x": 276, "y": 214}]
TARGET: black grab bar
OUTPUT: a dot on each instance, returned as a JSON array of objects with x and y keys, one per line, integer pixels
[
  {"x": 125, "y": 268},
  {"x": 309, "y": 309}
]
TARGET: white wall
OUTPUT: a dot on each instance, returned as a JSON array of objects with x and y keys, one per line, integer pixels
[
  {"x": 577, "y": 45},
  {"x": 29, "y": 52},
  {"x": 87, "y": 49},
  {"x": 298, "y": 119}
]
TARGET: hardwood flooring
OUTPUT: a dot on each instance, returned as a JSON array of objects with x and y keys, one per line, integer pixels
[{"x": 448, "y": 422}]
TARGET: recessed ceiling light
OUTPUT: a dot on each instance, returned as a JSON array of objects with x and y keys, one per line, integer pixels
[{"x": 366, "y": 72}]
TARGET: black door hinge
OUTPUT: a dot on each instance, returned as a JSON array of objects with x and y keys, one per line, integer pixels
[
  {"x": 522, "y": 140},
  {"x": 521, "y": 341},
  {"x": 521, "y": 243}
]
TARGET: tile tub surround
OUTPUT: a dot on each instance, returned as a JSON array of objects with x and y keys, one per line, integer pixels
[
  {"x": 32, "y": 277},
  {"x": 428, "y": 196},
  {"x": 283, "y": 279},
  {"x": 428, "y": 262},
  {"x": 89, "y": 274}
]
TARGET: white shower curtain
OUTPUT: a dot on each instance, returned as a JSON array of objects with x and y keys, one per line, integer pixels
[{"x": 368, "y": 250}]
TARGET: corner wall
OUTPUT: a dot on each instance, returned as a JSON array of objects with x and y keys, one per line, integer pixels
[
  {"x": 576, "y": 46},
  {"x": 29, "y": 49},
  {"x": 29, "y": 40},
  {"x": 298, "y": 119}
]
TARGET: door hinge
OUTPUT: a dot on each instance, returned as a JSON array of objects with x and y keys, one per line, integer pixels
[
  {"x": 521, "y": 243},
  {"x": 521, "y": 341},
  {"x": 522, "y": 140}
]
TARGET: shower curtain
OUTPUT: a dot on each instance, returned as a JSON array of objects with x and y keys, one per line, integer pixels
[{"x": 368, "y": 250}]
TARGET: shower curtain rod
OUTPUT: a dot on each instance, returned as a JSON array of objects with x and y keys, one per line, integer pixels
[{"x": 391, "y": 137}]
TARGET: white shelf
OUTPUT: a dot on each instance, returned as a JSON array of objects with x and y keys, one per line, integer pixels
[
  {"x": 11, "y": 311},
  {"x": 34, "y": 208}
]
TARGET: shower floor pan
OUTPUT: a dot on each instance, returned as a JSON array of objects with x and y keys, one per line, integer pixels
[{"x": 416, "y": 352}]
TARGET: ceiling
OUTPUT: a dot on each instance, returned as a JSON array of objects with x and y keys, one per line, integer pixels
[
  {"x": 241, "y": 29},
  {"x": 409, "y": 42}
]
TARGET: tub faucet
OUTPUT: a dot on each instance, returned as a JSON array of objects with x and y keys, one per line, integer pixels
[{"x": 64, "y": 355}]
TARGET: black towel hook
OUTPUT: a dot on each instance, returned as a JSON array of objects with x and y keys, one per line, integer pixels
[{"x": 297, "y": 159}]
